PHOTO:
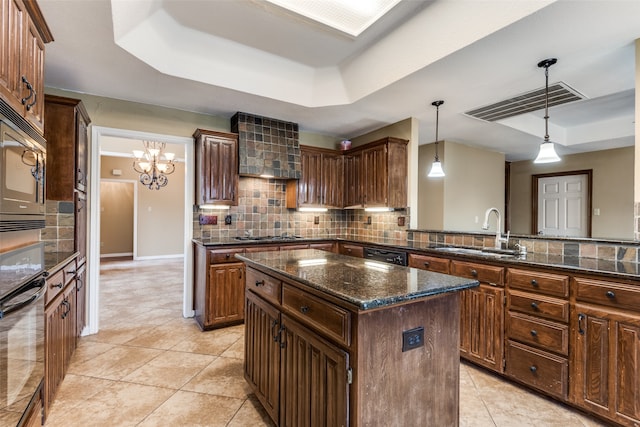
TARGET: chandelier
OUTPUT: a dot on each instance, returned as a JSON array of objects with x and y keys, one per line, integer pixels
[{"x": 153, "y": 164}]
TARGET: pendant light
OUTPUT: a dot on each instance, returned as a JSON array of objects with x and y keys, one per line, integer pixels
[
  {"x": 436, "y": 168},
  {"x": 547, "y": 153}
]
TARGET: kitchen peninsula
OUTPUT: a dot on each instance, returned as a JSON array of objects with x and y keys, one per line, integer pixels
[{"x": 344, "y": 341}]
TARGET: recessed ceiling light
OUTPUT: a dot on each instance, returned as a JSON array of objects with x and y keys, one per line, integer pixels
[{"x": 349, "y": 16}]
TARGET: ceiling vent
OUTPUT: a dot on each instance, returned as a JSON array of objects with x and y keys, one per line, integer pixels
[{"x": 559, "y": 93}]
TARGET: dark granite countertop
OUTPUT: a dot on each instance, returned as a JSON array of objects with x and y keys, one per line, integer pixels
[
  {"x": 365, "y": 284},
  {"x": 609, "y": 268},
  {"x": 53, "y": 261}
]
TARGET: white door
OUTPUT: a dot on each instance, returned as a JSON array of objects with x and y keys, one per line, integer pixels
[{"x": 563, "y": 206}]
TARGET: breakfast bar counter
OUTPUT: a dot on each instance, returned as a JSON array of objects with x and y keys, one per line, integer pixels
[{"x": 338, "y": 340}]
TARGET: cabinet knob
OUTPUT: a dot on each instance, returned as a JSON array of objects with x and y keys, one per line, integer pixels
[
  {"x": 533, "y": 369},
  {"x": 304, "y": 309},
  {"x": 57, "y": 285},
  {"x": 426, "y": 264},
  {"x": 228, "y": 256},
  {"x": 610, "y": 294},
  {"x": 534, "y": 282},
  {"x": 534, "y": 333},
  {"x": 259, "y": 282},
  {"x": 474, "y": 273},
  {"x": 534, "y": 305}
]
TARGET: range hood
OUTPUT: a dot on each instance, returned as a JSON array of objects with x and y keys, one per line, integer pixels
[{"x": 267, "y": 148}]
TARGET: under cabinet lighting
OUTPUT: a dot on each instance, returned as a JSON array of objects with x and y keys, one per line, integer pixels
[
  {"x": 214, "y": 207},
  {"x": 312, "y": 209},
  {"x": 264, "y": 175},
  {"x": 378, "y": 209}
]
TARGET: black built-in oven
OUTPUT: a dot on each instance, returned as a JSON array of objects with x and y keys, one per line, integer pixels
[
  {"x": 22, "y": 177},
  {"x": 22, "y": 288}
]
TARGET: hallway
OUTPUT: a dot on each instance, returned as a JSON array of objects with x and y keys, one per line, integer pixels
[{"x": 148, "y": 366}]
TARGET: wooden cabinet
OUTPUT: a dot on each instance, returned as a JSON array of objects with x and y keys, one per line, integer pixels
[
  {"x": 81, "y": 299},
  {"x": 605, "y": 368},
  {"x": 384, "y": 173},
  {"x": 66, "y": 131},
  {"x": 353, "y": 193},
  {"x": 219, "y": 287},
  {"x": 351, "y": 249},
  {"x": 216, "y": 168},
  {"x": 430, "y": 263},
  {"x": 314, "y": 387},
  {"x": 482, "y": 315},
  {"x": 538, "y": 331},
  {"x": 24, "y": 34},
  {"x": 262, "y": 352},
  {"x": 321, "y": 182},
  {"x": 60, "y": 328}
]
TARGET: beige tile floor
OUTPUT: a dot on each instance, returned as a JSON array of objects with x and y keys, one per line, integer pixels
[{"x": 148, "y": 366}]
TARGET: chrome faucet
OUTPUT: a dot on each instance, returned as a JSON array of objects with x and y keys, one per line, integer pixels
[{"x": 485, "y": 226}]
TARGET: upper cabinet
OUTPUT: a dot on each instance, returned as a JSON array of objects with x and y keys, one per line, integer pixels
[
  {"x": 66, "y": 132},
  {"x": 216, "y": 168},
  {"x": 321, "y": 182},
  {"x": 24, "y": 34},
  {"x": 372, "y": 175}
]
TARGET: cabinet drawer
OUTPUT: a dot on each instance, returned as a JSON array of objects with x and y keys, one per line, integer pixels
[
  {"x": 333, "y": 321},
  {"x": 538, "y": 369},
  {"x": 252, "y": 249},
  {"x": 608, "y": 293},
  {"x": 263, "y": 285},
  {"x": 539, "y": 333},
  {"x": 544, "y": 283},
  {"x": 483, "y": 273},
  {"x": 539, "y": 305},
  {"x": 69, "y": 272},
  {"x": 322, "y": 246},
  {"x": 292, "y": 247},
  {"x": 351, "y": 250},
  {"x": 218, "y": 256},
  {"x": 439, "y": 265},
  {"x": 55, "y": 283}
]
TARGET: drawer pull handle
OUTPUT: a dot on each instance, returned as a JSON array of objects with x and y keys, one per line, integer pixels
[
  {"x": 610, "y": 294},
  {"x": 59, "y": 285},
  {"x": 228, "y": 256},
  {"x": 474, "y": 273},
  {"x": 534, "y": 305},
  {"x": 534, "y": 282},
  {"x": 304, "y": 309},
  {"x": 259, "y": 282},
  {"x": 426, "y": 264},
  {"x": 533, "y": 369},
  {"x": 580, "y": 319},
  {"x": 534, "y": 333}
]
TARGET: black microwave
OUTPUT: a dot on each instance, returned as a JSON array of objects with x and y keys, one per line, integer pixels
[{"x": 22, "y": 175}]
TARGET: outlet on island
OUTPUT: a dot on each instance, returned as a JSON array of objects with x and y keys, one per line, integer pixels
[
  {"x": 208, "y": 219},
  {"x": 412, "y": 338}
]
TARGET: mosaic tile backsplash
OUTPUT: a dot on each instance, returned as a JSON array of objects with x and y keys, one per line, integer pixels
[
  {"x": 267, "y": 146},
  {"x": 58, "y": 234},
  {"x": 261, "y": 212}
]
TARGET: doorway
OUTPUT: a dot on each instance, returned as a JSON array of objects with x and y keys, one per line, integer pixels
[
  {"x": 184, "y": 203},
  {"x": 562, "y": 204},
  {"x": 117, "y": 201}
]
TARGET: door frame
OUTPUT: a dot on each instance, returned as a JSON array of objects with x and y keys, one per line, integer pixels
[
  {"x": 93, "y": 246},
  {"x": 134, "y": 238},
  {"x": 534, "y": 196}
]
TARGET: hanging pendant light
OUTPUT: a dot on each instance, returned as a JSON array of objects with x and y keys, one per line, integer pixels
[
  {"x": 547, "y": 153},
  {"x": 436, "y": 168}
]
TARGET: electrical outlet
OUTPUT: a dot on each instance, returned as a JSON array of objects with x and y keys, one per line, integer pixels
[
  {"x": 413, "y": 338},
  {"x": 316, "y": 220},
  {"x": 368, "y": 220},
  {"x": 401, "y": 221},
  {"x": 227, "y": 220},
  {"x": 208, "y": 219}
]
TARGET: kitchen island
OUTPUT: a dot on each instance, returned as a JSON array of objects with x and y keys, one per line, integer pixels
[{"x": 336, "y": 340}]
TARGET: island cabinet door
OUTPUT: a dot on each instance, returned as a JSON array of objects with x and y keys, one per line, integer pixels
[
  {"x": 315, "y": 390},
  {"x": 262, "y": 352}
]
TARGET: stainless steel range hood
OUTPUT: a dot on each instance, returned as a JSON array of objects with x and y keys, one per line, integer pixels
[{"x": 267, "y": 147}]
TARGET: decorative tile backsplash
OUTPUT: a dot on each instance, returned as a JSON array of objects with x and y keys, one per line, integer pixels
[
  {"x": 59, "y": 227},
  {"x": 261, "y": 212},
  {"x": 267, "y": 146}
]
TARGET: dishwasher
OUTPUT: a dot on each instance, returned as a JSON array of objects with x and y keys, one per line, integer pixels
[{"x": 384, "y": 255}]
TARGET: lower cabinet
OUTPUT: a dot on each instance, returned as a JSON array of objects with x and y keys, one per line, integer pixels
[
  {"x": 300, "y": 378},
  {"x": 81, "y": 299},
  {"x": 606, "y": 366},
  {"x": 482, "y": 315},
  {"x": 60, "y": 340},
  {"x": 314, "y": 388}
]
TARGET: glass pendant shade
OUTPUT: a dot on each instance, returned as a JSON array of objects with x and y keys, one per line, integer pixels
[
  {"x": 547, "y": 153},
  {"x": 436, "y": 170}
]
